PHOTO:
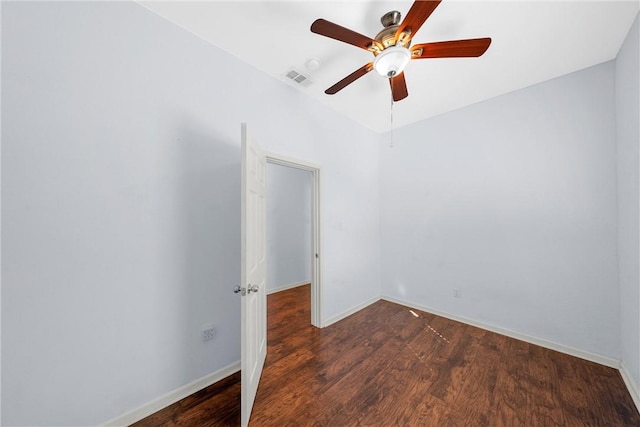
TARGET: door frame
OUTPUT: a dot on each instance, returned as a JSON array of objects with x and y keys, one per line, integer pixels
[{"x": 316, "y": 234}]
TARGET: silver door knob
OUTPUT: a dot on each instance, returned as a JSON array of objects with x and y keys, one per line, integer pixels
[
  {"x": 240, "y": 290},
  {"x": 252, "y": 288}
]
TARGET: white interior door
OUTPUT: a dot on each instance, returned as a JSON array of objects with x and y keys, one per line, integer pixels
[{"x": 254, "y": 272}]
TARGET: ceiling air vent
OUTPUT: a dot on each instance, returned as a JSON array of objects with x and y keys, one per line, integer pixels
[{"x": 298, "y": 78}]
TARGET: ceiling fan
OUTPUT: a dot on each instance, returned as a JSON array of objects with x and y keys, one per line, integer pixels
[{"x": 392, "y": 46}]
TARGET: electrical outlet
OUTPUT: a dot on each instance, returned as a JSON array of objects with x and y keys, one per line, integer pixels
[
  {"x": 457, "y": 293},
  {"x": 207, "y": 333}
]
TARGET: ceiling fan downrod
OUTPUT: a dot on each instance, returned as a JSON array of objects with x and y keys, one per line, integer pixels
[{"x": 390, "y": 18}]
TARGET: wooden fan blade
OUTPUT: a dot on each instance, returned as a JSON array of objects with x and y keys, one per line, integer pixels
[
  {"x": 451, "y": 49},
  {"x": 419, "y": 12},
  {"x": 335, "y": 31},
  {"x": 398, "y": 87},
  {"x": 349, "y": 79}
]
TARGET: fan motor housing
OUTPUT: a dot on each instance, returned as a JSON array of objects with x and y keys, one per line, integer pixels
[{"x": 387, "y": 37}]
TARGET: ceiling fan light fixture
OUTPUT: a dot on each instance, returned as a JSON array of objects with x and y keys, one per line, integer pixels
[{"x": 391, "y": 61}]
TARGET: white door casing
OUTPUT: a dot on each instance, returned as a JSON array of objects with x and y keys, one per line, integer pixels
[
  {"x": 253, "y": 272},
  {"x": 316, "y": 264}
]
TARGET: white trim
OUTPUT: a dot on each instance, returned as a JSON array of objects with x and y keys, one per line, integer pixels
[
  {"x": 278, "y": 159},
  {"x": 582, "y": 354},
  {"x": 351, "y": 311},
  {"x": 633, "y": 388},
  {"x": 317, "y": 290},
  {"x": 316, "y": 237},
  {"x": 173, "y": 396},
  {"x": 286, "y": 287}
]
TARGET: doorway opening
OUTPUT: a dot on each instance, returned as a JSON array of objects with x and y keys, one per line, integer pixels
[{"x": 308, "y": 189}]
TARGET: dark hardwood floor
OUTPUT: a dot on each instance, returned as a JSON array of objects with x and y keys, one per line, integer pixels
[{"x": 388, "y": 365}]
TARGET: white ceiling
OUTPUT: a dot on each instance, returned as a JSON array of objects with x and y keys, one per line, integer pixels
[{"x": 533, "y": 41}]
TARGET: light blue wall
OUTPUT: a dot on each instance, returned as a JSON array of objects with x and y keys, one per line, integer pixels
[
  {"x": 513, "y": 202},
  {"x": 628, "y": 145},
  {"x": 289, "y": 230},
  {"x": 121, "y": 207}
]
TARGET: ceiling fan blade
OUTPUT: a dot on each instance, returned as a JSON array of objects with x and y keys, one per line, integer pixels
[
  {"x": 335, "y": 31},
  {"x": 398, "y": 87},
  {"x": 451, "y": 49},
  {"x": 349, "y": 79},
  {"x": 419, "y": 12}
]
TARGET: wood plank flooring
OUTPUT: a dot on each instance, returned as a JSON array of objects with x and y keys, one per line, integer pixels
[{"x": 388, "y": 365}]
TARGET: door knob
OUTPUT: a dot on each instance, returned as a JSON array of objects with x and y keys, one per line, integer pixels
[
  {"x": 252, "y": 288},
  {"x": 240, "y": 290}
]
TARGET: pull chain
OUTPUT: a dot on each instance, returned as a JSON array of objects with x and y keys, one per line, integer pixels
[{"x": 391, "y": 143}]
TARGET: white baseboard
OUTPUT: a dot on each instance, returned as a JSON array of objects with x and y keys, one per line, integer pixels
[
  {"x": 173, "y": 396},
  {"x": 632, "y": 386},
  {"x": 349, "y": 312},
  {"x": 285, "y": 287},
  {"x": 582, "y": 354}
]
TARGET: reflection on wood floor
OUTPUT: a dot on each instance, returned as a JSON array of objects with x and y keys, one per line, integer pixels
[{"x": 388, "y": 365}]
